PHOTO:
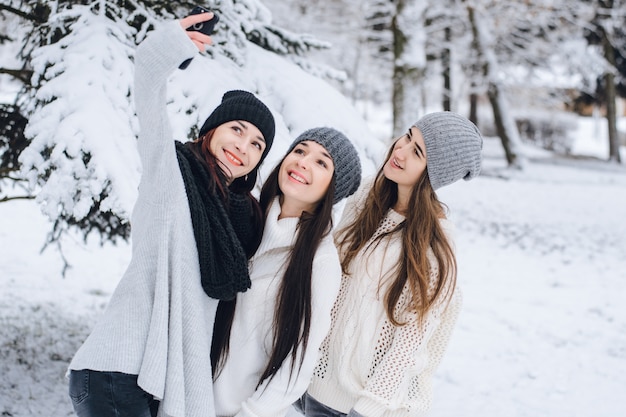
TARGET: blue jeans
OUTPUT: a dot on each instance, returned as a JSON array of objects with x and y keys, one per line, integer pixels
[
  {"x": 310, "y": 407},
  {"x": 109, "y": 394}
]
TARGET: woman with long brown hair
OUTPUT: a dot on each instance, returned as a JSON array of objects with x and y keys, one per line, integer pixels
[
  {"x": 264, "y": 353},
  {"x": 398, "y": 300}
]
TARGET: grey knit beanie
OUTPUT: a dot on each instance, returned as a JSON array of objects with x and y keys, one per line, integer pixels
[
  {"x": 345, "y": 158},
  {"x": 453, "y": 147}
]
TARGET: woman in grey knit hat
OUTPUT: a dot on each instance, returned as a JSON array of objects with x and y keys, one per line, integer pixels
[
  {"x": 265, "y": 348},
  {"x": 398, "y": 300}
]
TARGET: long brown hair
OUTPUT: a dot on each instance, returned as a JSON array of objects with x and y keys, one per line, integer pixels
[
  {"x": 292, "y": 312},
  {"x": 420, "y": 232}
]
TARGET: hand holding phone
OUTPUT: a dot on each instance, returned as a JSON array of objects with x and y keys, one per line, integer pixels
[{"x": 205, "y": 27}]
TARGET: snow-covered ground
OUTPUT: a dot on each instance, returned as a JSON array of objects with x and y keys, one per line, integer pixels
[{"x": 542, "y": 266}]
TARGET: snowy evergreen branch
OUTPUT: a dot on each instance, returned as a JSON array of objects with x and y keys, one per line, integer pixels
[
  {"x": 39, "y": 14},
  {"x": 23, "y": 75}
]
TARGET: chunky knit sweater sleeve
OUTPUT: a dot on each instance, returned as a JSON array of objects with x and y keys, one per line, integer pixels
[{"x": 155, "y": 60}]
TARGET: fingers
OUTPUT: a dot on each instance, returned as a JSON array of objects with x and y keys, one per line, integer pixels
[
  {"x": 199, "y": 39},
  {"x": 191, "y": 20}
]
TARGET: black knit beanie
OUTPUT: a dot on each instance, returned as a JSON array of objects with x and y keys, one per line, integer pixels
[
  {"x": 243, "y": 105},
  {"x": 345, "y": 158}
]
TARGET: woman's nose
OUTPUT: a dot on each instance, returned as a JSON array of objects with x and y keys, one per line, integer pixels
[
  {"x": 400, "y": 153},
  {"x": 304, "y": 162},
  {"x": 242, "y": 146}
]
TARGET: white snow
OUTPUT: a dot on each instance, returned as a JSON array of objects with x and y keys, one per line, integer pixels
[
  {"x": 542, "y": 268},
  {"x": 541, "y": 257}
]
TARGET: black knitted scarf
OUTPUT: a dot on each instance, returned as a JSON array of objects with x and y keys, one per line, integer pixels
[{"x": 223, "y": 262}]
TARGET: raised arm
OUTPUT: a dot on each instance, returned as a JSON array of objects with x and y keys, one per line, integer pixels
[{"x": 156, "y": 58}]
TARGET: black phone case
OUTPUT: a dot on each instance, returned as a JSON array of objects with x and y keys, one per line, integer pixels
[{"x": 203, "y": 27}]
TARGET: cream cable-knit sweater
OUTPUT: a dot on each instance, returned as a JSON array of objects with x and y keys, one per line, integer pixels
[
  {"x": 251, "y": 334},
  {"x": 366, "y": 363},
  {"x": 159, "y": 321}
]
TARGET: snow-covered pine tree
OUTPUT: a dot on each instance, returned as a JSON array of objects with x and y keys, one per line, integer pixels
[
  {"x": 12, "y": 143},
  {"x": 81, "y": 157}
]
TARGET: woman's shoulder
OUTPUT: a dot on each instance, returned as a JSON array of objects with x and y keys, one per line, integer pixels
[
  {"x": 361, "y": 194},
  {"x": 326, "y": 274},
  {"x": 327, "y": 251},
  {"x": 326, "y": 258},
  {"x": 355, "y": 202}
]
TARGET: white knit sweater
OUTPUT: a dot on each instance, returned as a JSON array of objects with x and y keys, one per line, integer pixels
[
  {"x": 366, "y": 363},
  {"x": 159, "y": 321},
  {"x": 251, "y": 334}
]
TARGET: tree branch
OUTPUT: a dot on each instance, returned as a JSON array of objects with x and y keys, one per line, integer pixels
[
  {"x": 22, "y": 75},
  {"x": 19, "y": 197},
  {"x": 24, "y": 15}
]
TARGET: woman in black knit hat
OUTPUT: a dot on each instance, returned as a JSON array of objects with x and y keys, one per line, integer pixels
[
  {"x": 265, "y": 350},
  {"x": 194, "y": 226}
]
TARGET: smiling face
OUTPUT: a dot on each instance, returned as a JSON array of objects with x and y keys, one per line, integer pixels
[
  {"x": 238, "y": 145},
  {"x": 304, "y": 177},
  {"x": 407, "y": 161}
]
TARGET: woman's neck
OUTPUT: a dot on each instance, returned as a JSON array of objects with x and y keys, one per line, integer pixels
[
  {"x": 402, "y": 204},
  {"x": 291, "y": 208}
]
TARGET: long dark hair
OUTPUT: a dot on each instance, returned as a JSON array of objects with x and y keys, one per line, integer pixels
[
  {"x": 421, "y": 231},
  {"x": 217, "y": 182},
  {"x": 201, "y": 147},
  {"x": 292, "y": 313}
]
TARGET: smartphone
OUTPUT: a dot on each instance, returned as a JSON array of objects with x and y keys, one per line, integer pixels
[{"x": 203, "y": 27}]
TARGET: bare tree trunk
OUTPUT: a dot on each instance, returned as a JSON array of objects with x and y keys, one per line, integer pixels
[
  {"x": 445, "y": 62},
  {"x": 493, "y": 92},
  {"x": 505, "y": 125},
  {"x": 406, "y": 73},
  {"x": 611, "y": 111},
  {"x": 473, "y": 110}
]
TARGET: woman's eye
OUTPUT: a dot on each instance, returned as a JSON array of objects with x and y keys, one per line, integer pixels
[
  {"x": 258, "y": 145},
  {"x": 237, "y": 129},
  {"x": 299, "y": 151},
  {"x": 322, "y": 163}
]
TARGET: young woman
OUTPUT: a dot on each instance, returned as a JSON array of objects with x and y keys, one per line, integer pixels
[
  {"x": 194, "y": 226},
  {"x": 266, "y": 353},
  {"x": 398, "y": 303}
]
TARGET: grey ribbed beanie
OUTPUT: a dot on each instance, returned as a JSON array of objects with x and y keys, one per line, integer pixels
[
  {"x": 453, "y": 147},
  {"x": 345, "y": 158}
]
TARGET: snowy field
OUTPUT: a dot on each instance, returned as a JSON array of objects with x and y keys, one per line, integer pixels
[{"x": 542, "y": 257}]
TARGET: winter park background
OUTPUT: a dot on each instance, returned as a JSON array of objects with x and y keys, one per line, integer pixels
[{"x": 540, "y": 249}]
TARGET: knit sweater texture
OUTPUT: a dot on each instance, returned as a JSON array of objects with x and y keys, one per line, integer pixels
[
  {"x": 159, "y": 321},
  {"x": 366, "y": 363},
  {"x": 251, "y": 334}
]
